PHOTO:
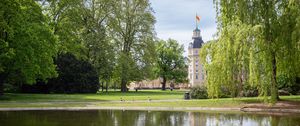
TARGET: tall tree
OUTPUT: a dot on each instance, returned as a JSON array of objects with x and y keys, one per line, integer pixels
[
  {"x": 132, "y": 27},
  {"x": 27, "y": 43},
  {"x": 170, "y": 62},
  {"x": 100, "y": 48},
  {"x": 260, "y": 40},
  {"x": 226, "y": 60},
  {"x": 81, "y": 26}
]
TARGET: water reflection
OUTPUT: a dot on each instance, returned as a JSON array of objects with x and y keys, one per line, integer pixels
[{"x": 142, "y": 118}]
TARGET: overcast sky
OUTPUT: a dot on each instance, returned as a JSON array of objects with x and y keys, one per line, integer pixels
[{"x": 176, "y": 19}]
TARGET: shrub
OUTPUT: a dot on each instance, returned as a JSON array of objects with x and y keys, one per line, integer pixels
[
  {"x": 75, "y": 76},
  {"x": 199, "y": 92},
  {"x": 39, "y": 87},
  {"x": 288, "y": 84},
  {"x": 249, "y": 91}
]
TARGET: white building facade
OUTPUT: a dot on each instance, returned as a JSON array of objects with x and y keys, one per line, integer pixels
[{"x": 196, "y": 72}]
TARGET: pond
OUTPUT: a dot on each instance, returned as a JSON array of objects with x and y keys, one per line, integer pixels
[{"x": 143, "y": 118}]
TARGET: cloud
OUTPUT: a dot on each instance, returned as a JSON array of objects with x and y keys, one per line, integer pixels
[
  {"x": 185, "y": 36},
  {"x": 176, "y": 19}
]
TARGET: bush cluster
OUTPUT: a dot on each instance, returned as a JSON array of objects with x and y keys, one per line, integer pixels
[
  {"x": 74, "y": 76},
  {"x": 288, "y": 85},
  {"x": 199, "y": 92}
]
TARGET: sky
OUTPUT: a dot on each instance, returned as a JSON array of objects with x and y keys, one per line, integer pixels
[{"x": 176, "y": 19}]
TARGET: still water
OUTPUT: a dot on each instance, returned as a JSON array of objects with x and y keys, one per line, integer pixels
[{"x": 143, "y": 118}]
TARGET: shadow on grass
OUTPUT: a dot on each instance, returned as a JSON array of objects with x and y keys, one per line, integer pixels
[
  {"x": 20, "y": 97},
  {"x": 4, "y": 98}
]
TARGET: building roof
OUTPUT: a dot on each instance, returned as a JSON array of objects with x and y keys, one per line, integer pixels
[
  {"x": 197, "y": 39},
  {"x": 197, "y": 43}
]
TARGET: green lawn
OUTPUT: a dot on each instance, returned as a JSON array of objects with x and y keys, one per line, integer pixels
[
  {"x": 132, "y": 99},
  {"x": 222, "y": 102},
  {"x": 103, "y": 96}
]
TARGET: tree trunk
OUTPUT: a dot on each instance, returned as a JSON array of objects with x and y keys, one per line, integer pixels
[
  {"x": 115, "y": 86},
  {"x": 1, "y": 88},
  {"x": 2, "y": 78},
  {"x": 102, "y": 86},
  {"x": 274, "y": 88},
  {"x": 106, "y": 87},
  {"x": 123, "y": 85},
  {"x": 163, "y": 86}
]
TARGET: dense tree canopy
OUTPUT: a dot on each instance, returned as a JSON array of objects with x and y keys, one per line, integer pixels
[
  {"x": 170, "y": 62},
  {"x": 81, "y": 26},
  {"x": 257, "y": 42},
  {"x": 116, "y": 37},
  {"x": 27, "y": 43},
  {"x": 75, "y": 76}
]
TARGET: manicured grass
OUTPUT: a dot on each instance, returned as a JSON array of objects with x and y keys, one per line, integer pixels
[
  {"x": 102, "y": 96},
  {"x": 222, "y": 102},
  {"x": 132, "y": 99}
]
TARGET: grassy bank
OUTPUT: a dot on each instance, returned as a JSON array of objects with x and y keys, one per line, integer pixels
[
  {"x": 222, "y": 102},
  {"x": 132, "y": 99}
]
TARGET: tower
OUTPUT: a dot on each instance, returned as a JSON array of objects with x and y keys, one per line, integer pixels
[{"x": 196, "y": 71}]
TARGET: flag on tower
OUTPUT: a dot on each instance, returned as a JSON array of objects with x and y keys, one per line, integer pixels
[{"x": 198, "y": 18}]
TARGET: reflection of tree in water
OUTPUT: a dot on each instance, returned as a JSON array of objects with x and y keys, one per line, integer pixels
[
  {"x": 166, "y": 118},
  {"x": 242, "y": 119},
  {"x": 142, "y": 118},
  {"x": 239, "y": 119},
  {"x": 51, "y": 118},
  {"x": 145, "y": 118}
]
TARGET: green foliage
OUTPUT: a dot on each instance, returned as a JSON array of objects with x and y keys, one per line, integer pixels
[
  {"x": 81, "y": 27},
  {"x": 288, "y": 84},
  {"x": 199, "y": 92},
  {"x": 227, "y": 60},
  {"x": 26, "y": 41},
  {"x": 249, "y": 91},
  {"x": 131, "y": 27},
  {"x": 65, "y": 19},
  {"x": 170, "y": 62},
  {"x": 75, "y": 76},
  {"x": 257, "y": 41},
  {"x": 115, "y": 36}
]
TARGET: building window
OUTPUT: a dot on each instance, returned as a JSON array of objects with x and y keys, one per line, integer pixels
[{"x": 196, "y": 77}]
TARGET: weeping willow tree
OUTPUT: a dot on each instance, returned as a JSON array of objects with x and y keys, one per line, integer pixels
[
  {"x": 258, "y": 40},
  {"x": 227, "y": 59}
]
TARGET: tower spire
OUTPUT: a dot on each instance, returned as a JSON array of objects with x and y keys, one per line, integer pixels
[{"x": 196, "y": 33}]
